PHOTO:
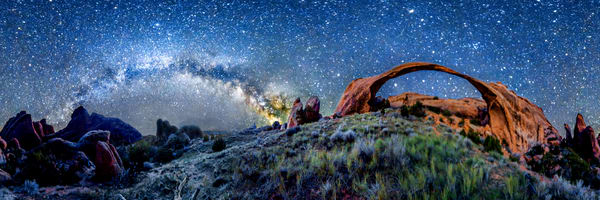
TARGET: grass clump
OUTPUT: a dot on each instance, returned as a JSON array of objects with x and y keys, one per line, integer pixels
[{"x": 491, "y": 143}]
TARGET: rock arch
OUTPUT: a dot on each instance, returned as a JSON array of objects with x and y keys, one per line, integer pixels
[{"x": 513, "y": 119}]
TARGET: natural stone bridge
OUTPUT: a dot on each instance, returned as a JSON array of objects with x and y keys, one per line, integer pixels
[{"x": 512, "y": 118}]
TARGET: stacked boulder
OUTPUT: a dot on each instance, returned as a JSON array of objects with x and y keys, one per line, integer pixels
[{"x": 300, "y": 115}]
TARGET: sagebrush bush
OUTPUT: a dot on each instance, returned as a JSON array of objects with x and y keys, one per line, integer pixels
[{"x": 219, "y": 145}]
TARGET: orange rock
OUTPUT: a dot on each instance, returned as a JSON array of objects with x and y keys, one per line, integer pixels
[
  {"x": 466, "y": 107},
  {"x": 513, "y": 119}
]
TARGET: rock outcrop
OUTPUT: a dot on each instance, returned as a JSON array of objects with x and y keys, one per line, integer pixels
[
  {"x": 82, "y": 122},
  {"x": 512, "y": 118},
  {"x": 301, "y": 115},
  {"x": 584, "y": 140},
  {"x": 29, "y": 133}
]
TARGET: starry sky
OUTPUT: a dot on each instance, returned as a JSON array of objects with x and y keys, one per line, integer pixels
[{"x": 214, "y": 63}]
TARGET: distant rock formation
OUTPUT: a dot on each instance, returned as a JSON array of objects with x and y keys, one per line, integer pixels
[
  {"x": 82, "y": 122},
  {"x": 512, "y": 118}
]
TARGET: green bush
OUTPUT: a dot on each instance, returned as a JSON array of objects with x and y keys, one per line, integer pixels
[
  {"x": 205, "y": 138},
  {"x": 219, "y": 145},
  {"x": 140, "y": 152},
  {"x": 491, "y": 143}
]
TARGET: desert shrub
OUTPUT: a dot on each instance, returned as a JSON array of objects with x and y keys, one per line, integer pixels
[
  {"x": 219, "y": 145},
  {"x": 491, "y": 143},
  {"x": 436, "y": 98},
  {"x": 140, "y": 152},
  {"x": 163, "y": 155},
  {"x": 205, "y": 138}
]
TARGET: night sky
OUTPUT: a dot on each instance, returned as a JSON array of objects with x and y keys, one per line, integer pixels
[{"x": 214, "y": 63}]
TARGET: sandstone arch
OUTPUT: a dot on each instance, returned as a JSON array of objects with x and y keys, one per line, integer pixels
[{"x": 512, "y": 118}]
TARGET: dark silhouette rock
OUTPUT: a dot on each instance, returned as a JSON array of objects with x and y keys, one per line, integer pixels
[
  {"x": 164, "y": 129},
  {"x": 81, "y": 123},
  {"x": 22, "y": 128},
  {"x": 513, "y": 119}
]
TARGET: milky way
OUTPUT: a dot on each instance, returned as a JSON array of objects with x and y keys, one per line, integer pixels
[{"x": 217, "y": 64}]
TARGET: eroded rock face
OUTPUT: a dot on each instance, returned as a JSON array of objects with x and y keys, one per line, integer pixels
[
  {"x": 512, "y": 118},
  {"x": 82, "y": 122}
]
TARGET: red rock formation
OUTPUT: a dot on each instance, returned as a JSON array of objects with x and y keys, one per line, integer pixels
[
  {"x": 308, "y": 114},
  {"x": 24, "y": 129},
  {"x": 296, "y": 116},
  {"x": 312, "y": 109},
  {"x": 584, "y": 140},
  {"x": 107, "y": 161},
  {"x": 512, "y": 118}
]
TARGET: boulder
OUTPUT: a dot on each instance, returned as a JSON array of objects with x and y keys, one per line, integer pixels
[
  {"x": 296, "y": 116},
  {"x": 82, "y": 122},
  {"x": 512, "y": 118},
  {"x": 107, "y": 161},
  {"x": 311, "y": 110},
  {"x": 301, "y": 115},
  {"x": 22, "y": 128},
  {"x": 164, "y": 129}
]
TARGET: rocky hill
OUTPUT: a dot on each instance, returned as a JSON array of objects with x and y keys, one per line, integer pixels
[{"x": 409, "y": 146}]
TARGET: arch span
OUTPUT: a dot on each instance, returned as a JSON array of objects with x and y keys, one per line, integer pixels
[{"x": 512, "y": 118}]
